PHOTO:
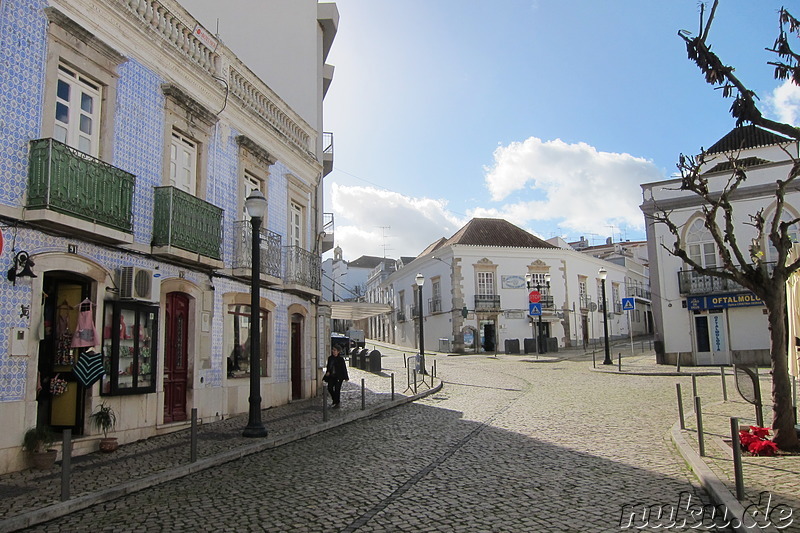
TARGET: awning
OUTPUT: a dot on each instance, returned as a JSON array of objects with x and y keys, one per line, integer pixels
[{"x": 356, "y": 310}]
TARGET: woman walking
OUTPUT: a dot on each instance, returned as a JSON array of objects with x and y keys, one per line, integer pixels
[{"x": 335, "y": 373}]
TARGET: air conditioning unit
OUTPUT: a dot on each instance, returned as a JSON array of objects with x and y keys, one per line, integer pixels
[{"x": 139, "y": 284}]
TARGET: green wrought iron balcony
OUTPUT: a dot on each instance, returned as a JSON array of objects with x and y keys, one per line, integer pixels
[
  {"x": 186, "y": 222},
  {"x": 64, "y": 180}
]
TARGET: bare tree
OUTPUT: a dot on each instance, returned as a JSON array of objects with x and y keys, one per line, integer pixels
[{"x": 748, "y": 268}]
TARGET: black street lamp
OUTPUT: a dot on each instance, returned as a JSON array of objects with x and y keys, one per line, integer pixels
[
  {"x": 420, "y": 279},
  {"x": 540, "y": 347},
  {"x": 256, "y": 206},
  {"x": 603, "y": 273}
]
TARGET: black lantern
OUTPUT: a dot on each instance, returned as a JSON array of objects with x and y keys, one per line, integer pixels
[{"x": 21, "y": 267}]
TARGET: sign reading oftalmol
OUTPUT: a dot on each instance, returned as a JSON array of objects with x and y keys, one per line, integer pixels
[{"x": 723, "y": 301}]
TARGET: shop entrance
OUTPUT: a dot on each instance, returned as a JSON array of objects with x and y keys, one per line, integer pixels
[
  {"x": 67, "y": 303},
  {"x": 488, "y": 335},
  {"x": 710, "y": 337}
]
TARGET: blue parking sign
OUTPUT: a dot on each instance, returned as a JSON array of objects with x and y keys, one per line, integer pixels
[{"x": 627, "y": 304}]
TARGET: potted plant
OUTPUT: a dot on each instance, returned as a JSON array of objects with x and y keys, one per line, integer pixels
[
  {"x": 37, "y": 441},
  {"x": 104, "y": 419}
]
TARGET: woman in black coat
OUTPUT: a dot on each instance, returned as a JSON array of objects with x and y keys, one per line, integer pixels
[{"x": 335, "y": 373}]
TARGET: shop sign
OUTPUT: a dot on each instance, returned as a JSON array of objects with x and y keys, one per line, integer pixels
[{"x": 723, "y": 301}]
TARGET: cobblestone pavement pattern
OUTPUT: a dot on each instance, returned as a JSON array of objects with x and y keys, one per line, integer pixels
[{"x": 510, "y": 443}]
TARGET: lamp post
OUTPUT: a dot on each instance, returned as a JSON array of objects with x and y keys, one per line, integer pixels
[
  {"x": 256, "y": 206},
  {"x": 603, "y": 273},
  {"x": 529, "y": 282},
  {"x": 420, "y": 279}
]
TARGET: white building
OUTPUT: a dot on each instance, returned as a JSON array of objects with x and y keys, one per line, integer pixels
[
  {"x": 633, "y": 256},
  {"x": 474, "y": 295},
  {"x": 701, "y": 319},
  {"x": 132, "y": 136}
]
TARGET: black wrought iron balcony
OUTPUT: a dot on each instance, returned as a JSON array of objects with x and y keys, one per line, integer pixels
[
  {"x": 327, "y": 153},
  {"x": 67, "y": 181},
  {"x": 547, "y": 302},
  {"x": 183, "y": 221},
  {"x": 302, "y": 269},
  {"x": 638, "y": 292},
  {"x": 585, "y": 301},
  {"x": 691, "y": 282},
  {"x": 434, "y": 305},
  {"x": 243, "y": 249},
  {"x": 487, "y": 302},
  {"x": 327, "y": 232},
  {"x": 401, "y": 315}
]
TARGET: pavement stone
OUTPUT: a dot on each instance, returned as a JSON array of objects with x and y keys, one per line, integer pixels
[
  {"x": 498, "y": 418},
  {"x": 31, "y": 496}
]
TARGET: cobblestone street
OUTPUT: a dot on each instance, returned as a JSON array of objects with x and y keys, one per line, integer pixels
[{"x": 512, "y": 443}]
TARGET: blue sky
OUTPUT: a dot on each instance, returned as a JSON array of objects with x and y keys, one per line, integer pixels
[{"x": 548, "y": 113}]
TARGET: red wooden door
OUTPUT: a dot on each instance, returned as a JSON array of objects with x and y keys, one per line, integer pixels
[
  {"x": 297, "y": 357},
  {"x": 176, "y": 357}
]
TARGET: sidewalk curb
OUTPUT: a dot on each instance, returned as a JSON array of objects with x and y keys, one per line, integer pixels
[
  {"x": 711, "y": 483},
  {"x": 51, "y": 512},
  {"x": 648, "y": 373}
]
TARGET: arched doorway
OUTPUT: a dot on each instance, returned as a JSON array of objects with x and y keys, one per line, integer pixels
[
  {"x": 297, "y": 356},
  {"x": 67, "y": 296},
  {"x": 176, "y": 356}
]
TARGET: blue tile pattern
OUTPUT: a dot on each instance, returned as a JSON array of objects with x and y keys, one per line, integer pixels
[
  {"x": 22, "y": 58},
  {"x": 139, "y": 137},
  {"x": 139, "y": 124}
]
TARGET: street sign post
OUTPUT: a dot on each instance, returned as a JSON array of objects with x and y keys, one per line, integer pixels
[{"x": 629, "y": 305}]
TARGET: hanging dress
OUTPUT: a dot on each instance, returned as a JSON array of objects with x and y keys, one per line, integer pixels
[
  {"x": 85, "y": 333},
  {"x": 64, "y": 355}
]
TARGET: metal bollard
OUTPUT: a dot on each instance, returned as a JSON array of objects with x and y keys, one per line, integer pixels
[
  {"x": 392, "y": 386},
  {"x": 193, "y": 445},
  {"x": 737, "y": 458},
  {"x": 415, "y": 382},
  {"x": 700, "y": 440},
  {"x": 66, "y": 463},
  {"x": 619, "y": 362},
  {"x": 594, "y": 364},
  {"x": 724, "y": 386},
  {"x": 679, "y": 363},
  {"x": 324, "y": 402},
  {"x": 694, "y": 388},
  {"x": 363, "y": 396},
  {"x": 680, "y": 406},
  {"x": 434, "y": 368}
]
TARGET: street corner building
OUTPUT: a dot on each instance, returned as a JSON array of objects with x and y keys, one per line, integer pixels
[
  {"x": 133, "y": 132},
  {"x": 702, "y": 319},
  {"x": 494, "y": 287}
]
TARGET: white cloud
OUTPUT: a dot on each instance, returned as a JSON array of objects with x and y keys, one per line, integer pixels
[
  {"x": 785, "y": 103},
  {"x": 367, "y": 219},
  {"x": 573, "y": 185}
]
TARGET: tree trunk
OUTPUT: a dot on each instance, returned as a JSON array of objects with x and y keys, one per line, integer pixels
[{"x": 785, "y": 435}]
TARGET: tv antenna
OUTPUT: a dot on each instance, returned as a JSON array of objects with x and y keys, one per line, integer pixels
[{"x": 383, "y": 236}]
